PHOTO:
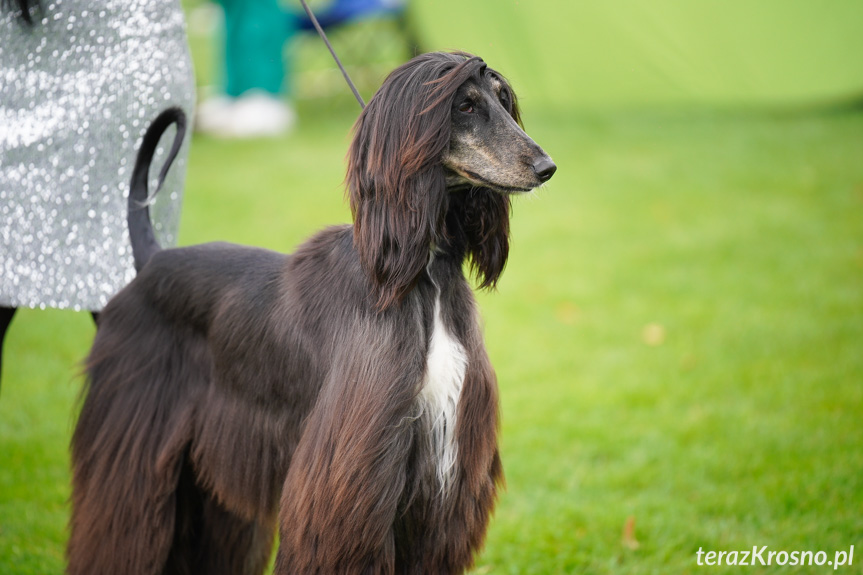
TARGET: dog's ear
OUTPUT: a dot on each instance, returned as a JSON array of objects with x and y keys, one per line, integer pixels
[
  {"x": 394, "y": 230},
  {"x": 395, "y": 179}
]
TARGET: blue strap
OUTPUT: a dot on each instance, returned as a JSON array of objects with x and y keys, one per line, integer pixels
[{"x": 341, "y": 11}]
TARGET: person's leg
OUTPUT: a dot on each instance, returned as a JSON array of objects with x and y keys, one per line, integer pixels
[
  {"x": 256, "y": 77},
  {"x": 255, "y": 35},
  {"x": 6, "y": 314}
]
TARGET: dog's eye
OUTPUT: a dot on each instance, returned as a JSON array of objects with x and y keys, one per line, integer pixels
[{"x": 466, "y": 107}]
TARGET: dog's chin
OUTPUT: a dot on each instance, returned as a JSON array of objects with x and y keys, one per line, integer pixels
[
  {"x": 465, "y": 179},
  {"x": 509, "y": 190}
]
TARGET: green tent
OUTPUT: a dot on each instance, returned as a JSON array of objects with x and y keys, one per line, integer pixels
[{"x": 612, "y": 53}]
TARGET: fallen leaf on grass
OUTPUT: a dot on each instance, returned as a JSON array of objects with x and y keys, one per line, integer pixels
[
  {"x": 653, "y": 334},
  {"x": 567, "y": 313},
  {"x": 628, "y": 538}
]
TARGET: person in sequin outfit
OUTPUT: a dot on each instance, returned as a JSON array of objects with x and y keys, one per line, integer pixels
[{"x": 80, "y": 80}]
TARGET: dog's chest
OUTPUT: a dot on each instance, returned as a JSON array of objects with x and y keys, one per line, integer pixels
[{"x": 446, "y": 365}]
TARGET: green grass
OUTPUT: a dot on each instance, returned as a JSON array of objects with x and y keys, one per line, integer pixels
[{"x": 678, "y": 337}]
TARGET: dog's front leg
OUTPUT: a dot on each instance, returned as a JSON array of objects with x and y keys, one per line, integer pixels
[{"x": 349, "y": 472}]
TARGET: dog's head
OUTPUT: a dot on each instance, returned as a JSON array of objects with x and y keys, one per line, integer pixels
[
  {"x": 487, "y": 146},
  {"x": 442, "y": 132}
]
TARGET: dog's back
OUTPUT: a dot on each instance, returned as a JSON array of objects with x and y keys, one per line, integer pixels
[{"x": 208, "y": 270}]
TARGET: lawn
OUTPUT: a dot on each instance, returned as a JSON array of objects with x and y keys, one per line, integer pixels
[{"x": 678, "y": 337}]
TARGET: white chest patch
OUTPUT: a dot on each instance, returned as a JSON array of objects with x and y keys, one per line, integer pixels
[{"x": 444, "y": 376}]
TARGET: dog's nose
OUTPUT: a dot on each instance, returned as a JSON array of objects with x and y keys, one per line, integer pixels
[{"x": 544, "y": 168}]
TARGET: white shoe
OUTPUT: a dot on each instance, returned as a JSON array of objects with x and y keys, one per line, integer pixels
[
  {"x": 211, "y": 115},
  {"x": 255, "y": 114}
]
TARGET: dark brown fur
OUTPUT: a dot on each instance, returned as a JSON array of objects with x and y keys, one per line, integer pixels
[{"x": 234, "y": 390}]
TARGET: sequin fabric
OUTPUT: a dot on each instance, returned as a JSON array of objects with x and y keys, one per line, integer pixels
[{"x": 77, "y": 92}]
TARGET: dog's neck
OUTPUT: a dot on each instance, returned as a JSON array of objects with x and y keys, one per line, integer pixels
[
  {"x": 475, "y": 227},
  {"x": 452, "y": 240}
]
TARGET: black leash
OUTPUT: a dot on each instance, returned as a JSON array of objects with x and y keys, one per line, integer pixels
[{"x": 333, "y": 52}]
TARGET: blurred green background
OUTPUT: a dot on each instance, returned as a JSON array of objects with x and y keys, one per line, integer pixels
[
  {"x": 672, "y": 53},
  {"x": 679, "y": 332}
]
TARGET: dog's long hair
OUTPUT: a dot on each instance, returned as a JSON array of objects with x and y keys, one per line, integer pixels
[{"x": 343, "y": 393}]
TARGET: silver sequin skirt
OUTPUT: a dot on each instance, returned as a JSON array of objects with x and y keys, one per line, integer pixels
[{"x": 77, "y": 92}]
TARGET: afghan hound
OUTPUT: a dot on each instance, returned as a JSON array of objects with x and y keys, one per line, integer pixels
[{"x": 341, "y": 393}]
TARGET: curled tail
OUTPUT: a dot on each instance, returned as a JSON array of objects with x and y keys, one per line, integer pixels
[{"x": 144, "y": 243}]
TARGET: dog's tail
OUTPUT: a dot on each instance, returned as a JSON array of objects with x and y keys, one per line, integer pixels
[{"x": 144, "y": 243}]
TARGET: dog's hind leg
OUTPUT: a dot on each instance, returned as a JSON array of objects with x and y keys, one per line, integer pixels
[
  {"x": 210, "y": 539},
  {"x": 123, "y": 504},
  {"x": 130, "y": 441},
  {"x": 232, "y": 545}
]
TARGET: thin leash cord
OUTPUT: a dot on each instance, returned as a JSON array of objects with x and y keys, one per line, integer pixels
[{"x": 333, "y": 52}]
